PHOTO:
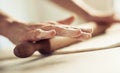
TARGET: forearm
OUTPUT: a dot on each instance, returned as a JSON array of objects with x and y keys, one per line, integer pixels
[
  {"x": 5, "y": 22},
  {"x": 11, "y": 28},
  {"x": 4, "y": 25}
]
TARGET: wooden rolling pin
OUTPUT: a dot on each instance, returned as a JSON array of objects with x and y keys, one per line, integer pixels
[{"x": 45, "y": 47}]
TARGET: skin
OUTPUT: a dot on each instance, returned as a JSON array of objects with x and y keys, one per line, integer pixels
[{"x": 19, "y": 32}]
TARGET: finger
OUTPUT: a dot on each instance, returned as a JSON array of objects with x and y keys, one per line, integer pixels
[
  {"x": 87, "y": 30},
  {"x": 39, "y": 34},
  {"x": 84, "y": 27},
  {"x": 67, "y": 21},
  {"x": 66, "y": 31},
  {"x": 46, "y": 34},
  {"x": 84, "y": 36}
]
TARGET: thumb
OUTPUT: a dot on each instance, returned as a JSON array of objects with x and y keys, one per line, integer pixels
[{"x": 67, "y": 21}]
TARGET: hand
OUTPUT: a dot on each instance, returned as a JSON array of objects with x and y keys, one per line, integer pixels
[{"x": 21, "y": 32}]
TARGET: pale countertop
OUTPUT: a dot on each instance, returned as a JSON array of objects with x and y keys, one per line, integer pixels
[{"x": 102, "y": 61}]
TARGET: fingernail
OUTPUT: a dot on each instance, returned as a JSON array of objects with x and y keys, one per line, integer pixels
[
  {"x": 47, "y": 34},
  {"x": 84, "y": 36}
]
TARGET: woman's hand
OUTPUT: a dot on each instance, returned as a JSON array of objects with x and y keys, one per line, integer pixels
[{"x": 21, "y": 32}]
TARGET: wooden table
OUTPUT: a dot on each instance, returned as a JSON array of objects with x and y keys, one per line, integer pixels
[{"x": 102, "y": 61}]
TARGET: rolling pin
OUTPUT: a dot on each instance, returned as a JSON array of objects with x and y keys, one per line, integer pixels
[{"x": 45, "y": 47}]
